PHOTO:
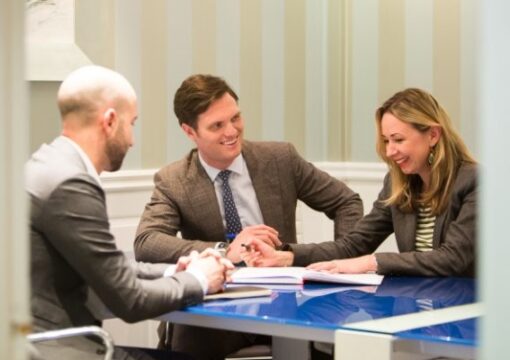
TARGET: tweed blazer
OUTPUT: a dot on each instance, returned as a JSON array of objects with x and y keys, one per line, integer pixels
[
  {"x": 184, "y": 200},
  {"x": 72, "y": 249},
  {"x": 454, "y": 238}
]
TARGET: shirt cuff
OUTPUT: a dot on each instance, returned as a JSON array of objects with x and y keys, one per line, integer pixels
[
  {"x": 170, "y": 270},
  {"x": 202, "y": 279}
]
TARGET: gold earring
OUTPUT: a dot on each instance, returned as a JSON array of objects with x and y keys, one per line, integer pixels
[{"x": 430, "y": 159}]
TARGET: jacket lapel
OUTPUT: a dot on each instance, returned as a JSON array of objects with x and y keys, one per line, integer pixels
[
  {"x": 405, "y": 230},
  {"x": 264, "y": 176},
  {"x": 438, "y": 229},
  {"x": 202, "y": 198}
]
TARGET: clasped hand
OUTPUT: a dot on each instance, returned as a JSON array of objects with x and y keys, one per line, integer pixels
[{"x": 211, "y": 264}]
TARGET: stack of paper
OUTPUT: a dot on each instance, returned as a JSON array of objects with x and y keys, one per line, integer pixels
[{"x": 298, "y": 275}]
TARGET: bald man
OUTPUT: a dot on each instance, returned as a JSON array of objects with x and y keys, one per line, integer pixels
[{"x": 71, "y": 245}]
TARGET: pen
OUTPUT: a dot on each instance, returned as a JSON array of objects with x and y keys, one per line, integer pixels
[{"x": 230, "y": 236}]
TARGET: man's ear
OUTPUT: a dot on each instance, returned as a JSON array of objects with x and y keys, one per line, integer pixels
[
  {"x": 109, "y": 121},
  {"x": 189, "y": 131},
  {"x": 435, "y": 134}
]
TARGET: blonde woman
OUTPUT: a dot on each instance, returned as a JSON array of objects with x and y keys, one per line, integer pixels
[{"x": 429, "y": 201}]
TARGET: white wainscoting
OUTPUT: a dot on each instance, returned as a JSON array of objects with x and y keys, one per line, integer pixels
[{"x": 127, "y": 192}]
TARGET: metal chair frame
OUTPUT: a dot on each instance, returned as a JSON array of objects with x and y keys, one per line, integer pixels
[{"x": 77, "y": 331}]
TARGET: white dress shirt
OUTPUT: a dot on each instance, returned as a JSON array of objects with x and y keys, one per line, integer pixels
[{"x": 246, "y": 201}]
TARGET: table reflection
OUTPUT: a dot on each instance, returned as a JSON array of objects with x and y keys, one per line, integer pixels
[{"x": 333, "y": 306}]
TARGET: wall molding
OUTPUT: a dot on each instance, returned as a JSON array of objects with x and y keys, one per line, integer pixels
[
  {"x": 128, "y": 180},
  {"x": 136, "y": 180},
  {"x": 128, "y": 191},
  {"x": 354, "y": 171}
]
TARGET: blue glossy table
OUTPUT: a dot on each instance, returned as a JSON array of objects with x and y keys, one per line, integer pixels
[
  {"x": 321, "y": 312},
  {"x": 455, "y": 339}
]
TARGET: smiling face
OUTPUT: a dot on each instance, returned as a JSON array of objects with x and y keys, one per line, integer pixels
[
  {"x": 408, "y": 147},
  {"x": 219, "y": 132}
]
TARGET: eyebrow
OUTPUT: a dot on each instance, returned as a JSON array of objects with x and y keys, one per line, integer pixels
[{"x": 392, "y": 135}]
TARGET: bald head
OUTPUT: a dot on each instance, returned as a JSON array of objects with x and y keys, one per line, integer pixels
[{"x": 90, "y": 89}]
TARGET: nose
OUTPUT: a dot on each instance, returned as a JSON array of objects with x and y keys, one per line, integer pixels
[
  {"x": 230, "y": 129},
  {"x": 390, "y": 150}
]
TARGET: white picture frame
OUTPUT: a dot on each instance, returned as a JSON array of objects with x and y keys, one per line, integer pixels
[{"x": 52, "y": 52}]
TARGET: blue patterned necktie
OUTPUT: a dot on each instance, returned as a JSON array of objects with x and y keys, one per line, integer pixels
[{"x": 232, "y": 219}]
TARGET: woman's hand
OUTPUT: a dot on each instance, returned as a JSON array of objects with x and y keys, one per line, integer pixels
[
  {"x": 258, "y": 253},
  {"x": 359, "y": 265}
]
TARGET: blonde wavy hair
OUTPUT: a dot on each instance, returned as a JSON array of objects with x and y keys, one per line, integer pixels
[{"x": 421, "y": 110}]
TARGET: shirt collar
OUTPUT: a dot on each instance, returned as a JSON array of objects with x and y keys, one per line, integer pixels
[
  {"x": 236, "y": 166},
  {"x": 91, "y": 170}
]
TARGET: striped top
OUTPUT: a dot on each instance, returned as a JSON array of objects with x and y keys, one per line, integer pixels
[{"x": 425, "y": 229}]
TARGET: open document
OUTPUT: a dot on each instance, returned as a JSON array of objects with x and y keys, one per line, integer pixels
[{"x": 299, "y": 275}]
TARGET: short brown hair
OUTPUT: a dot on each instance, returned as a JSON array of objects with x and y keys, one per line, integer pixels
[{"x": 196, "y": 94}]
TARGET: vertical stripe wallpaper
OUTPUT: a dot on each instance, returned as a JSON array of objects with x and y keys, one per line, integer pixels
[
  {"x": 153, "y": 119},
  {"x": 203, "y": 36},
  {"x": 419, "y": 43},
  {"x": 273, "y": 93},
  {"x": 307, "y": 71},
  {"x": 468, "y": 64},
  {"x": 228, "y": 41},
  {"x": 364, "y": 72},
  {"x": 179, "y": 65},
  {"x": 338, "y": 80},
  {"x": 250, "y": 81},
  {"x": 392, "y": 61},
  {"x": 128, "y": 62},
  {"x": 316, "y": 62},
  {"x": 446, "y": 51},
  {"x": 294, "y": 73}
]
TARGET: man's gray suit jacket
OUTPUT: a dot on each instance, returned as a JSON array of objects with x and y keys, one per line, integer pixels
[
  {"x": 73, "y": 249},
  {"x": 184, "y": 200}
]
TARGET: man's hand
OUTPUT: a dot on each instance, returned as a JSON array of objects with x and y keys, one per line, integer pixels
[
  {"x": 258, "y": 253},
  {"x": 210, "y": 263},
  {"x": 264, "y": 233},
  {"x": 357, "y": 265}
]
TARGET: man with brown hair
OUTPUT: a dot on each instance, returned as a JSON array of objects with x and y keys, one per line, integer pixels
[{"x": 227, "y": 191}]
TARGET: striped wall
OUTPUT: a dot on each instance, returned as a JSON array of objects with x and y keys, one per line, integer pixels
[{"x": 307, "y": 71}]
